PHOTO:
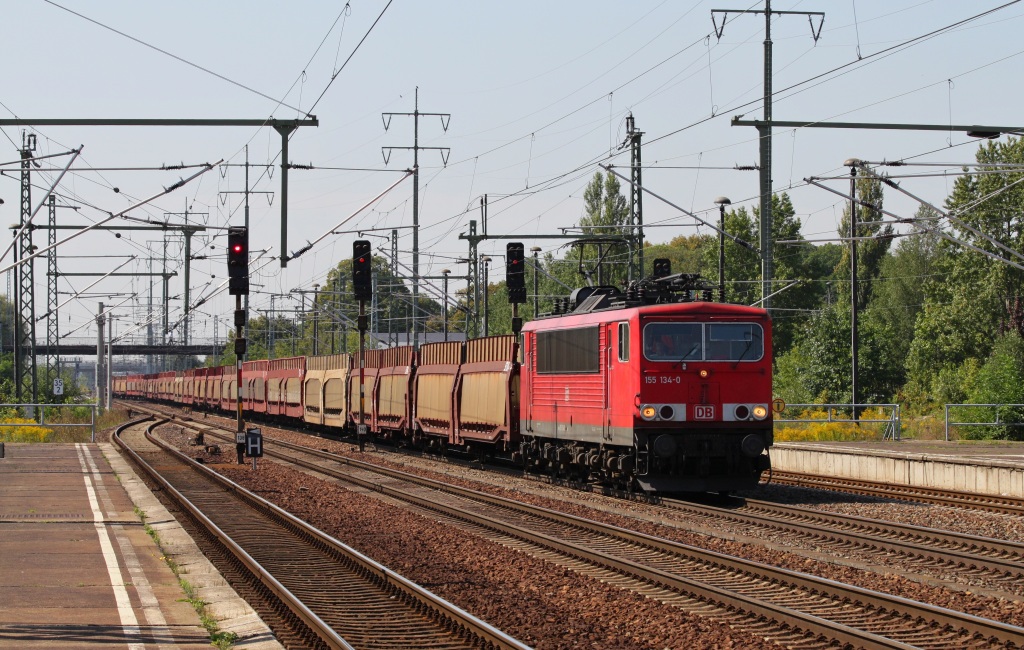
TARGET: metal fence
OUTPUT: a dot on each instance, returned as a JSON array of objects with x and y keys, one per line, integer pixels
[
  {"x": 37, "y": 413},
  {"x": 893, "y": 423},
  {"x": 994, "y": 422}
]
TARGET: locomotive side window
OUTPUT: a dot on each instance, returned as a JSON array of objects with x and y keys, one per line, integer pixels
[
  {"x": 734, "y": 342},
  {"x": 674, "y": 342},
  {"x": 623, "y": 341},
  {"x": 569, "y": 351}
]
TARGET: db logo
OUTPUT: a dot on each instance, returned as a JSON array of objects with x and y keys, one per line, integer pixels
[{"x": 703, "y": 412}]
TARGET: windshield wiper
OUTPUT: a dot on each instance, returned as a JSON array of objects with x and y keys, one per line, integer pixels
[
  {"x": 750, "y": 344},
  {"x": 695, "y": 348}
]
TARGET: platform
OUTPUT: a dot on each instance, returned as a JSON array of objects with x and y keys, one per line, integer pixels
[
  {"x": 972, "y": 466},
  {"x": 77, "y": 567}
]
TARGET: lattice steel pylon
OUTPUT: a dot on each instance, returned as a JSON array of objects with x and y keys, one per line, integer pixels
[
  {"x": 25, "y": 364},
  {"x": 52, "y": 334},
  {"x": 636, "y": 196}
]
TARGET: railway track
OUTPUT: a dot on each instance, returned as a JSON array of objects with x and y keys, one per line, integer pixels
[
  {"x": 318, "y": 592},
  {"x": 971, "y": 555},
  {"x": 935, "y": 496},
  {"x": 926, "y": 548},
  {"x": 803, "y": 611}
]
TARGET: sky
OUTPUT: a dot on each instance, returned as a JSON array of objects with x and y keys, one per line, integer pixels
[{"x": 537, "y": 92}]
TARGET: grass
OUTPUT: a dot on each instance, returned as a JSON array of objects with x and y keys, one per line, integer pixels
[{"x": 219, "y": 639}]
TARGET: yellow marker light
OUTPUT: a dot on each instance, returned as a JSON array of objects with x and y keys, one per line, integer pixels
[
  {"x": 704, "y": 373},
  {"x": 760, "y": 411},
  {"x": 648, "y": 412}
]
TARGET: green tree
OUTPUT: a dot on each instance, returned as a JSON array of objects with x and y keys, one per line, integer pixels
[
  {"x": 333, "y": 315},
  {"x": 817, "y": 368},
  {"x": 790, "y": 382},
  {"x": 824, "y": 351},
  {"x": 684, "y": 252},
  {"x": 606, "y": 214},
  {"x": 822, "y": 343},
  {"x": 1001, "y": 381},
  {"x": 7, "y": 336},
  {"x": 978, "y": 297},
  {"x": 870, "y": 251},
  {"x": 898, "y": 297},
  {"x": 792, "y": 307},
  {"x": 742, "y": 268}
]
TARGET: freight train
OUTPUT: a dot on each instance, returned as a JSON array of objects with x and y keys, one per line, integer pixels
[{"x": 656, "y": 388}]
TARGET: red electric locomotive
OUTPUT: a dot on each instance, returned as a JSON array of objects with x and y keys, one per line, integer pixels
[
  {"x": 651, "y": 387},
  {"x": 656, "y": 387}
]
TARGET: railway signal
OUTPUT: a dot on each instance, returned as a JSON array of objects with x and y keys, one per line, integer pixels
[
  {"x": 238, "y": 261},
  {"x": 515, "y": 272},
  {"x": 362, "y": 287},
  {"x": 515, "y": 281},
  {"x": 662, "y": 267},
  {"x": 238, "y": 286},
  {"x": 362, "y": 265}
]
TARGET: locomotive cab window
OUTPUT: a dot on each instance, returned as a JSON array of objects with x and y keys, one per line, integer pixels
[
  {"x": 703, "y": 342},
  {"x": 674, "y": 342},
  {"x": 734, "y": 342}
]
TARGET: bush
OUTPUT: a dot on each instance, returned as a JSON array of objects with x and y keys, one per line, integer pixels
[
  {"x": 1000, "y": 380},
  {"x": 841, "y": 428},
  {"x": 30, "y": 432}
]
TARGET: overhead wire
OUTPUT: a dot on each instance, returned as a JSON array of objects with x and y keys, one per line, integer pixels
[{"x": 866, "y": 60}]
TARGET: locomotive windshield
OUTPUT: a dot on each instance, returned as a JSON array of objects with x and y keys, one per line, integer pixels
[{"x": 703, "y": 342}]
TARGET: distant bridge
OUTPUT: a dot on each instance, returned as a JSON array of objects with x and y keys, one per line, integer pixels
[{"x": 127, "y": 349}]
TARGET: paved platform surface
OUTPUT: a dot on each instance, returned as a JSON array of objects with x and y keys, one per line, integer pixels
[
  {"x": 994, "y": 468},
  {"x": 77, "y": 568},
  {"x": 969, "y": 451}
]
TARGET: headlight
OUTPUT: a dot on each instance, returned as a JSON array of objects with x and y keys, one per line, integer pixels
[
  {"x": 667, "y": 412},
  {"x": 760, "y": 412},
  {"x": 742, "y": 411},
  {"x": 648, "y": 412}
]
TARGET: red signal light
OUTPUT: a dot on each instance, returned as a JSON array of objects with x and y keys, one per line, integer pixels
[
  {"x": 515, "y": 279},
  {"x": 238, "y": 261},
  {"x": 362, "y": 271}
]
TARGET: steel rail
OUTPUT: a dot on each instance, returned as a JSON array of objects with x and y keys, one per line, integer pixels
[
  {"x": 289, "y": 600},
  {"x": 942, "y": 547},
  {"x": 952, "y": 498},
  {"x": 787, "y": 617},
  {"x": 456, "y": 619},
  {"x": 1001, "y": 559}
]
